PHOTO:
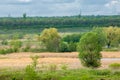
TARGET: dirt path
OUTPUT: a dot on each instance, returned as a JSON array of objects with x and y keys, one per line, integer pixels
[{"x": 20, "y": 60}]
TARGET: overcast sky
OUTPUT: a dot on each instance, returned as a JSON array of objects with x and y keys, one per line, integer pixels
[{"x": 59, "y": 7}]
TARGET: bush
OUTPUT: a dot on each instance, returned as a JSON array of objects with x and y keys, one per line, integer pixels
[
  {"x": 89, "y": 49},
  {"x": 71, "y": 42},
  {"x": 9, "y": 50},
  {"x": 52, "y": 67},
  {"x": 115, "y": 66},
  {"x": 34, "y": 60},
  {"x": 67, "y": 47},
  {"x": 72, "y": 38},
  {"x": 15, "y": 43},
  {"x": 50, "y": 76},
  {"x": 37, "y": 50},
  {"x": 100, "y": 72},
  {"x": 63, "y": 47},
  {"x": 2, "y": 51},
  {"x": 4, "y": 42},
  {"x": 72, "y": 46},
  {"x": 64, "y": 67},
  {"x": 30, "y": 73},
  {"x": 26, "y": 48},
  {"x": 6, "y": 51}
]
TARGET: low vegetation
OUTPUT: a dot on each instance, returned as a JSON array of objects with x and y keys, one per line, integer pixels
[
  {"x": 115, "y": 66},
  {"x": 80, "y": 74}
]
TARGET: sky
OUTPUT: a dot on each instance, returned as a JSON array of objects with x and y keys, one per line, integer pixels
[{"x": 58, "y": 7}]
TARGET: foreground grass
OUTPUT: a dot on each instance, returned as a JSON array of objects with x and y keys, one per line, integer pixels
[{"x": 79, "y": 74}]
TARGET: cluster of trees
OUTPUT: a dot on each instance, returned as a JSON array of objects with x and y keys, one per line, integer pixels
[
  {"x": 89, "y": 45},
  {"x": 52, "y": 41},
  {"x": 58, "y": 22},
  {"x": 108, "y": 36}
]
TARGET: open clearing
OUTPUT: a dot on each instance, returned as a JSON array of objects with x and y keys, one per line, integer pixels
[{"x": 20, "y": 60}]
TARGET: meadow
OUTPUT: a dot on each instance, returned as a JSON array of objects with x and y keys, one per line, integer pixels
[{"x": 27, "y": 52}]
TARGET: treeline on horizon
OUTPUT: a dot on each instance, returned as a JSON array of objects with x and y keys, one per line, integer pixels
[{"x": 58, "y": 22}]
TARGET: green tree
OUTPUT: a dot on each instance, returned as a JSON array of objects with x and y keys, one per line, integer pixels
[
  {"x": 72, "y": 38},
  {"x": 113, "y": 36},
  {"x": 24, "y": 15},
  {"x": 16, "y": 45},
  {"x": 63, "y": 47},
  {"x": 101, "y": 34},
  {"x": 51, "y": 39},
  {"x": 89, "y": 49}
]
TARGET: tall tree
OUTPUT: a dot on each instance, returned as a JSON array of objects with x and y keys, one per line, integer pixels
[
  {"x": 51, "y": 39},
  {"x": 89, "y": 49},
  {"x": 113, "y": 36},
  {"x": 24, "y": 15}
]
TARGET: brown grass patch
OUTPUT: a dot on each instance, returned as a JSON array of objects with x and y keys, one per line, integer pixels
[{"x": 20, "y": 60}]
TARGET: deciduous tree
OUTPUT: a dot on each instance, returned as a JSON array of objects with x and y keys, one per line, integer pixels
[
  {"x": 89, "y": 49},
  {"x": 51, "y": 39}
]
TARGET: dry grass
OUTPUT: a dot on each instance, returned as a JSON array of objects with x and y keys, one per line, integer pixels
[{"x": 20, "y": 60}]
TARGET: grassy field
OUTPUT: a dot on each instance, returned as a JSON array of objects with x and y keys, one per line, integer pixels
[
  {"x": 38, "y": 31},
  {"x": 74, "y": 74},
  {"x": 56, "y": 66},
  {"x": 20, "y": 60}
]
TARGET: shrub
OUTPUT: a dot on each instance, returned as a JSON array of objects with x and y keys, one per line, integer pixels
[
  {"x": 64, "y": 67},
  {"x": 52, "y": 67},
  {"x": 115, "y": 66},
  {"x": 30, "y": 73},
  {"x": 100, "y": 72},
  {"x": 15, "y": 43},
  {"x": 6, "y": 51},
  {"x": 71, "y": 41},
  {"x": 2, "y": 51},
  {"x": 63, "y": 47},
  {"x": 117, "y": 73},
  {"x": 72, "y": 46},
  {"x": 89, "y": 49},
  {"x": 67, "y": 47},
  {"x": 50, "y": 76},
  {"x": 26, "y": 48},
  {"x": 37, "y": 50},
  {"x": 4, "y": 42},
  {"x": 9, "y": 50},
  {"x": 34, "y": 59},
  {"x": 72, "y": 38}
]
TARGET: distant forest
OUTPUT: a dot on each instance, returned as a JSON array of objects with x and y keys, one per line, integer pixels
[{"x": 58, "y": 22}]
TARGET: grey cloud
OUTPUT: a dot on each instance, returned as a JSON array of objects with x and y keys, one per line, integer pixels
[
  {"x": 55, "y": 7},
  {"x": 57, "y": 1},
  {"x": 94, "y": 2},
  {"x": 14, "y": 2}
]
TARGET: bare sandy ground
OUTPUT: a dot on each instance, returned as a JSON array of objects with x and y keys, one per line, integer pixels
[{"x": 20, "y": 60}]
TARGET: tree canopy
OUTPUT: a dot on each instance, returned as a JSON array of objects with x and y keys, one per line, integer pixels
[{"x": 89, "y": 49}]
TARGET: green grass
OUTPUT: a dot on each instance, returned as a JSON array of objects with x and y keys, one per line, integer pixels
[
  {"x": 79, "y": 74},
  {"x": 115, "y": 66},
  {"x": 38, "y": 30}
]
